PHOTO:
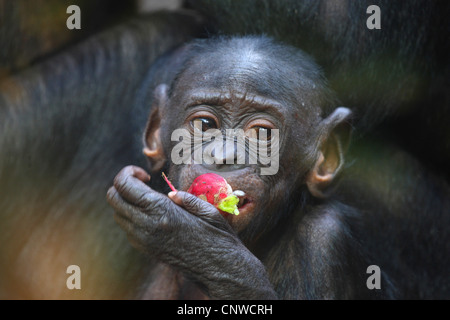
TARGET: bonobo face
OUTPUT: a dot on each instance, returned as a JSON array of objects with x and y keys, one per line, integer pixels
[
  {"x": 203, "y": 109},
  {"x": 266, "y": 101}
]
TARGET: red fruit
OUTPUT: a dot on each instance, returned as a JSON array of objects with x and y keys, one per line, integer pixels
[
  {"x": 214, "y": 189},
  {"x": 210, "y": 187}
]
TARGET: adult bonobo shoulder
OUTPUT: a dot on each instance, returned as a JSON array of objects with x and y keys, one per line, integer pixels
[
  {"x": 298, "y": 234},
  {"x": 67, "y": 124}
]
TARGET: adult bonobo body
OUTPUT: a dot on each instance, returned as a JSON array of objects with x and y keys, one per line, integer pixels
[{"x": 294, "y": 236}]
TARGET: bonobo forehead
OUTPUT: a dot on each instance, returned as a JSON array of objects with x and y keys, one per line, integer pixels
[{"x": 253, "y": 66}]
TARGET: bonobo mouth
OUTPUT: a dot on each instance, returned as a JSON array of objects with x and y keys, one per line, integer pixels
[
  {"x": 242, "y": 202},
  {"x": 244, "y": 206},
  {"x": 244, "y": 192},
  {"x": 243, "y": 184},
  {"x": 245, "y": 203}
]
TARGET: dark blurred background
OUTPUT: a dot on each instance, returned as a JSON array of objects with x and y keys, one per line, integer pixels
[
  {"x": 375, "y": 73},
  {"x": 395, "y": 80},
  {"x": 33, "y": 30}
]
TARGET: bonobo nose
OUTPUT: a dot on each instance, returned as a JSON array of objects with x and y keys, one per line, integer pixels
[{"x": 223, "y": 157}]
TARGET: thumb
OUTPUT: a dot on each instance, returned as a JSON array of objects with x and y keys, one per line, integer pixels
[
  {"x": 202, "y": 209},
  {"x": 191, "y": 203}
]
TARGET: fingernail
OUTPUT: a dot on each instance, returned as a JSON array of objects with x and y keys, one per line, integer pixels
[{"x": 171, "y": 194}]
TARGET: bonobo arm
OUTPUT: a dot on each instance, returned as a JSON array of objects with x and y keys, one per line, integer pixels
[{"x": 188, "y": 234}]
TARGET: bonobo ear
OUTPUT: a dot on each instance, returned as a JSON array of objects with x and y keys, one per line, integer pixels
[
  {"x": 153, "y": 147},
  {"x": 334, "y": 141}
]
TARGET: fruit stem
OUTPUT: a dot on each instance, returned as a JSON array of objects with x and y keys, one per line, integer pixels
[{"x": 169, "y": 183}]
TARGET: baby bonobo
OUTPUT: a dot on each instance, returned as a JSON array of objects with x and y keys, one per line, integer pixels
[{"x": 221, "y": 103}]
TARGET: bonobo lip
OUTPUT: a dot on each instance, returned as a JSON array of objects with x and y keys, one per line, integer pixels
[
  {"x": 243, "y": 201},
  {"x": 245, "y": 205}
]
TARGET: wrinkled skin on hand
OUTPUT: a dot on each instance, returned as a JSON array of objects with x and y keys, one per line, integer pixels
[{"x": 175, "y": 229}]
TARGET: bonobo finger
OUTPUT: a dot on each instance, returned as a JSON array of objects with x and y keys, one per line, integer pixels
[
  {"x": 114, "y": 198},
  {"x": 129, "y": 182},
  {"x": 192, "y": 203},
  {"x": 121, "y": 208},
  {"x": 127, "y": 216},
  {"x": 201, "y": 209},
  {"x": 134, "y": 171}
]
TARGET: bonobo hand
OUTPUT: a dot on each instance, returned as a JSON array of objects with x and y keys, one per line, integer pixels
[
  {"x": 154, "y": 223},
  {"x": 189, "y": 234}
]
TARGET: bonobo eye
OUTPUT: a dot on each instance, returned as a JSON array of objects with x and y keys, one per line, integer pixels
[
  {"x": 263, "y": 133},
  {"x": 205, "y": 122},
  {"x": 260, "y": 129}
]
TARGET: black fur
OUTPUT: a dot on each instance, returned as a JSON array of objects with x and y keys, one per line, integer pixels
[
  {"x": 395, "y": 79},
  {"x": 67, "y": 125}
]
